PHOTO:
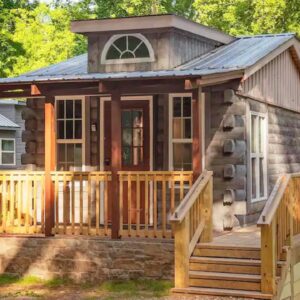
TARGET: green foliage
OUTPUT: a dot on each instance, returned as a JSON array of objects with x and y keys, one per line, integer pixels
[{"x": 35, "y": 34}]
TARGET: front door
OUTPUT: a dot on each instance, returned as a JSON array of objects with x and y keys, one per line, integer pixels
[{"x": 135, "y": 150}]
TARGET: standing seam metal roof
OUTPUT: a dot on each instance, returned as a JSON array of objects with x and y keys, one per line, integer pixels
[
  {"x": 7, "y": 124},
  {"x": 240, "y": 54}
]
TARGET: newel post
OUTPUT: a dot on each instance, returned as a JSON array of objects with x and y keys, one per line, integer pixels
[
  {"x": 268, "y": 258},
  {"x": 50, "y": 162},
  {"x": 182, "y": 255},
  {"x": 116, "y": 162}
]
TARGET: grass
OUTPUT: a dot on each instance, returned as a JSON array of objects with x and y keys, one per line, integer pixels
[
  {"x": 132, "y": 289},
  {"x": 157, "y": 288}
]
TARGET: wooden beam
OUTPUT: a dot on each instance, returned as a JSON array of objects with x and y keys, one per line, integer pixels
[
  {"x": 197, "y": 156},
  {"x": 50, "y": 163},
  {"x": 116, "y": 163},
  {"x": 20, "y": 94},
  {"x": 135, "y": 87}
]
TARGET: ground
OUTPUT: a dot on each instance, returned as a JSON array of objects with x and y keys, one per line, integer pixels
[{"x": 35, "y": 288}]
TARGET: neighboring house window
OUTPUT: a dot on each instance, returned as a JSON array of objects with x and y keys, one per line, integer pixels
[
  {"x": 129, "y": 48},
  {"x": 258, "y": 160},
  {"x": 180, "y": 132},
  {"x": 7, "y": 152},
  {"x": 70, "y": 133}
]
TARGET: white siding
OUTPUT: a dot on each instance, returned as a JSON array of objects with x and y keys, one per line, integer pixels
[{"x": 277, "y": 83}]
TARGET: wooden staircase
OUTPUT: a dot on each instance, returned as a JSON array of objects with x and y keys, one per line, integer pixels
[{"x": 228, "y": 271}]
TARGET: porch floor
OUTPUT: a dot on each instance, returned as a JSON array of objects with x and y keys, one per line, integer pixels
[{"x": 241, "y": 237}]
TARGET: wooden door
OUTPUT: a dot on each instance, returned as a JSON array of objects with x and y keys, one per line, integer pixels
[{"x": 135, "y": 149}]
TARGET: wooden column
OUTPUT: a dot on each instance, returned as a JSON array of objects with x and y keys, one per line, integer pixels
[
  {"x": 197, "y": 155},
  {"x": 116, "y": 162},
  {"x": 50, "y": 162}
]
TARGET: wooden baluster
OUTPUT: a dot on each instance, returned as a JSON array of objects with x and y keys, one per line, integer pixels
[
  {"x": 146, "y": 205},
  {"x": 65, "y": 204},
  {"x": 138, "y": 204},
  {"x": 42, "y": 203},
  {"x": 4, "y": 203},
  {"x": 20, "y": 194},
  {"x": 73, "y": 202},
  {"x": 81, "y": 203},
  {"x": 164, "y": 206},
  {"x": 121, "y": 196},
  {"x": 28, "y": 200},
  {"x": 182, "y": 240},
  {"x": 181, "y": 188},
  {"x": 97, "y": 186},
  {"x": 154, "y": 206},
  {"x": 56, "y": 201},
  {"x": 172, "y": 193},
  {"x": 89, "y": 182},
  {"x": 268, "y": 258},
  {"x": 129, "y": 203},
  {"x": 35, "y": 203},
  {"x": 106, "y": 205},
  {"x": 12, "y": 201}
]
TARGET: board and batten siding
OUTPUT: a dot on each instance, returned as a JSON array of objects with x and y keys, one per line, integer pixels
[{"x": 277, "y": 83}]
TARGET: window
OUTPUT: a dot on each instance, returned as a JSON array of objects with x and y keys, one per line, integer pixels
[
  {"x": 7, "y": 152},
  {"x": 132, "y": 137},
  {"x": 180, "y": 132},
  {"x": 258, "y": 160},
  {"x": 69, "y": 128},
  {"x": 130, "y": 48}
]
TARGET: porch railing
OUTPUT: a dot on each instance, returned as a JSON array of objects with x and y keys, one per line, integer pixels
[
  {"x": 21, "y": 202},
  {"x": 279, "y": 223},
  {"x": 192, "y": 221},
  {"x": 82, "y": 203},
  {"x": 148, "y": 199}
]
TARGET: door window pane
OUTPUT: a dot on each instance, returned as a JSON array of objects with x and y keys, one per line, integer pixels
[{"x": 132, "y": 137}]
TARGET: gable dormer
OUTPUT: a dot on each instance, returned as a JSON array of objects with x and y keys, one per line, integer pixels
[{"x": 145, "y": 43}]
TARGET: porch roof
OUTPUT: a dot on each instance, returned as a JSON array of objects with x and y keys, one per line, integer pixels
[
  {"x": 7, "y": 124},
  {"x": 239, "y": 55}
]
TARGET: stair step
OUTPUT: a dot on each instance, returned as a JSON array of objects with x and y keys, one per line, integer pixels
[
  {"x": 210, "y": 250},
  {"x": 225, "y": 265},
  {"x": 222, "y": 293},
  {"x": 235, "y": 281}
]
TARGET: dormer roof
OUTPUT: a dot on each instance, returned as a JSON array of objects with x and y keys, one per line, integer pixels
[{"x": 141, "y": 23}]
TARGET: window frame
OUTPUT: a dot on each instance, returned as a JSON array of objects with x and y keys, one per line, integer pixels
[
  {"x": 115, "y": 37},
  {"x": 257, "y": 156},
  {"x": 1, "y": 151},
  {"x": 172, "y": 140},
  {"x": 72, "y": 141}
]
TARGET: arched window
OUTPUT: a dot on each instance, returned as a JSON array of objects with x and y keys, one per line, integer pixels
[{"x": 128, "y": 48}]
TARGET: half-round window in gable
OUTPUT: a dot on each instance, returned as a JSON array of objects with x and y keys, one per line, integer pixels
[{"x": 129, "y": 48}]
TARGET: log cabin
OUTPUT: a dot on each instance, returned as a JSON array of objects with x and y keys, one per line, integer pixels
[{"x": 166, "y": 131}]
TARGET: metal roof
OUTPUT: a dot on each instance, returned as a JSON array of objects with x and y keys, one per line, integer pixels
[
  {"x": 7, "y": 124},
  {"x": 240, "y": 54}
]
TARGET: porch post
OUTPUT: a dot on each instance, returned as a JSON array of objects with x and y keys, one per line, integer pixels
[
  {"x": 116, "y": 163},
  {"x": 197, "y": 155},
  {"x": 50, "y": 160}
]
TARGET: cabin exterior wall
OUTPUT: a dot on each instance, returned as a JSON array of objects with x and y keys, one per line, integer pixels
[
  {"x": 277, "y": 83},
  {"x": 172, "y": 47},
  {"x": 14, "y": 113}
]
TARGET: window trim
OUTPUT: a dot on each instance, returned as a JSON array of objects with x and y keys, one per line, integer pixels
[
  {"x": 257, "y": 156},
  {"x": 72, "y": 141},
  {"x": 14, "y": 151},
  {"x": 115, "y": 37},
  {"x": 170, "y": 131}
]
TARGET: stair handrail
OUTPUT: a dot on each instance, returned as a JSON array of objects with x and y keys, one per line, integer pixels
[
  {"x": 192, "y": 220},
  {"x": 277, "y": 222}
]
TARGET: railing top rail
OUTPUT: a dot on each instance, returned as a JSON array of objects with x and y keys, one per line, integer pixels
[
  {"x": 81, "y": 173},
  {"x": 274, "y": 200},
  {"x": 21, "y": 172},
  {"x": 191, "y": 196},
  {"x": 155, "y": 172}
]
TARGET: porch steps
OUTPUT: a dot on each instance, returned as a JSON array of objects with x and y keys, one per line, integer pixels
[{"x": 225, "y": 270}]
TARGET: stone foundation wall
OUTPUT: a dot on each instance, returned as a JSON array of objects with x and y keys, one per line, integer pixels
[{"x": 87, "y": 259}]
